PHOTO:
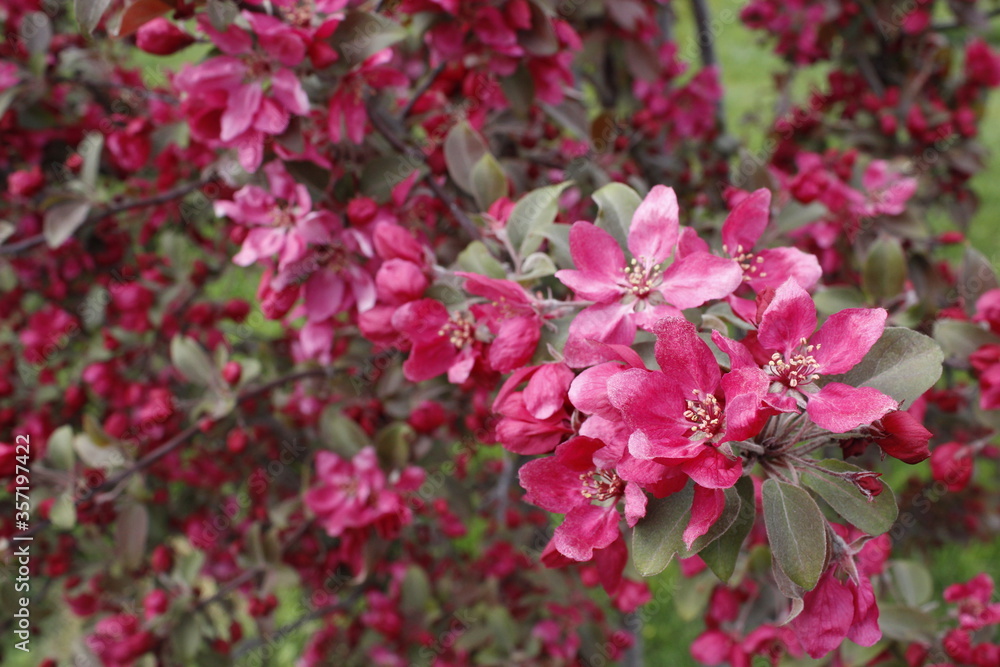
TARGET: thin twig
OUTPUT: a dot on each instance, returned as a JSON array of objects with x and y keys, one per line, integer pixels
[
  {"x": 175, "y": 442},
  {"x": 382, "y": 126},
  {"x": 421, "y": 90},
  {"x": 107, "y": 212}
]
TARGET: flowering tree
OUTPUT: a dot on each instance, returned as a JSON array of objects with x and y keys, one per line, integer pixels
[{"x": 428, "y": 333}]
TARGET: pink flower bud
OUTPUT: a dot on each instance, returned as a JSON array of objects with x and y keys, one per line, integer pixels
[{"x": 162, "y": 38}]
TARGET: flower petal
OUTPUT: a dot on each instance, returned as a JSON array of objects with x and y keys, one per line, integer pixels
[
  {"x": 845, "y": 338},
  {"x": 839, "y": 407},
  {"x": 790, "y": 318},
  {"x": 655, "y": 225},
  {"x": 746, "y": 222},
  {"x": 700, "y": 277}
]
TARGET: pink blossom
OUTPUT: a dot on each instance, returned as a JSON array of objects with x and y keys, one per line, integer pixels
[
  {"x": 643, "y": 291},
  {"x": 357, "y": 494}
]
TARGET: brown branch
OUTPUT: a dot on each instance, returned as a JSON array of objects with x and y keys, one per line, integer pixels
[
  {"x": 107, "y": 212},
  {"x": 706, "y": 42},
  {"x": 415, "y": 155},
  {"x": 169, "y": 446}
]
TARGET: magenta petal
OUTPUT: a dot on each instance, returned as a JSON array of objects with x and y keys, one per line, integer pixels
[
  {"x": 845, "y": 338},
  {"x": 745, "y": 389},
  {"x": 712, "y": 647},
  {"x": 864, "y": 630},
  {"x": 706, "y": 508},
  {"x": 515, "y": 343},
  {"x": 607, "y": 323},
  {"x": 240, "y": 111},
  {"x": 546, "y": 390},
  {"x": 584, "y": 529},
  {"x": 713, "y": 469},
  {"x": 551, "y": 485},
  {"x": 589, "y": 391},
  {"x": 746, "y": 222},
  {"x": 428, "y": 360},
  {"x": 839, "y": 407},
  {"x": 788, "y": 319},
  {"x": 421, "y": 320},
  {"x": 635, "y": 504},
  {"x": 650, "y": 402},
  {"x": 324, "y": 295},
  {"x": 695, "y": 279},
  {"x": 739, "y": 355},
  {"x": 599, "y": 263},
  {"x": 690, "y": 243},
  {"x": 684, "y": 357},
  {"x": 828, "y": 613},
  {"x": 780, "y": 264},
  {"x": 610, "y": 563},
  {"x": 655, "y": 225}
]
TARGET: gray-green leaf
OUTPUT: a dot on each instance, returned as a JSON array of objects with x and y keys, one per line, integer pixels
[
  {"x": 660, "y": 534},
  {"x": 875, "y": 517},
  {"x": 796, "y": 531},
  {"x": 902, "y": 363}
]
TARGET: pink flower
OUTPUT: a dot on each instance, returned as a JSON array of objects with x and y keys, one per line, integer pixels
[
  {"x": 511, "y": 316},
  {"x": 570, "y": 483},
  {"x": 534, "y": 420},
  {"x": 643, "y": 291},
  {"x": 843, "y": 606},
  {"x": 976, "y": 609},
  {"x": 440, "y": 342},
  {"x": 768, "y": 267},
  {"x": 357, "y": 494},
  {"x": 798, "y": 356},
  {"x": 680, "y": 414}
]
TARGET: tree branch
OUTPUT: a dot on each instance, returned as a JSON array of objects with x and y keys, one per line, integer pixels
[
  {"x": 415, "y": 155},
  {"x": 706, "y": 42},
  {"x": 113, "y": 209},
  {"x": 175, "y": 442}
]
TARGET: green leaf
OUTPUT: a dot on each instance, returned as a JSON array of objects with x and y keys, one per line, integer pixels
[
  {"x": 62, "y": 514},
  {"x": 476, "y": 258},
  {"x": 131, "y": 530},
  {"x": 341, "y": 434},
  {"x": 63, "y": 219},
  {"x": 90, "y": 152},
  {"x": 721, "y": 554},
  {"x": 89, "y": 13},
  {"x": 616, "y": 204},
  {"x": 912, "y": 582},
  {"x": 558, "y": 238},
  {"x": 875, "y": 517},
  {"x": 464, "y": 148},
  {"x": 416, "y": 591},
  {"x": 489, "y": 182},
  {"x": 884, "y": 272},
  {"x": 902, "y": 363},
  {"x": 959, "y": 339},
  {"x": 906, "y": 624},
  {"x": 532, "y": 217},
  {"x": 976, "y": 277},
  {"x": 691, "y": 595},
  {"x": 362, "y": 34},
  {"x": 536, "y": 265},
  {"x": 796, "y": 531},
  {"x": 834, "y": 299},
  {"x": 660, "y": 534},
  {"x": 730, "y": 512},
  {"x": 59, "y": 450},
  {"x": 192, "y": 362}
]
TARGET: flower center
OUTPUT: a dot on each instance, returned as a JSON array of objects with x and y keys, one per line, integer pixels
[
  {"x": 459, "y": 329},
  {"x": 283, "y": 218},
  {"x": 749, "y": 262},
  {"x": 299, "y": 15},
  {"x": 704, "y": 413},
  {"x": 642, "y": 276},
  {"x": 799, "y": 369},
  {"x": 601, "y": 485}
]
